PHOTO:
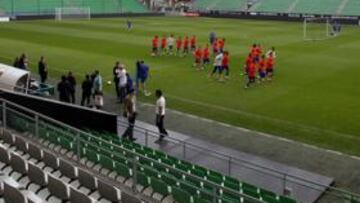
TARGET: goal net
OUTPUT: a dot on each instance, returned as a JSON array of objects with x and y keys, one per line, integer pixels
[
  {"x": 317, "y": 29},
  {"x": 72, "y": 13}
]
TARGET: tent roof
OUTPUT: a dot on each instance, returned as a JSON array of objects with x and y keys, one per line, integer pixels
[{"x": 10, "y": 76}]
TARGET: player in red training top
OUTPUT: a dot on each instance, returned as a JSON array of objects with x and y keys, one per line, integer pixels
[
  {"x": 215, "y": 46},
  {"x": 178, "y": 46},
  {"x": 198, "y": 57},
  {"x": 249, "y": 60},
  {"x": 262, "y": 68},
  {"x": 221, "y": 44},
  {"x": 253, "y": 51},
  {"x": 225, "y": 63},
  {"x": 251, "y": 74},
  {"x": 258, "y": 52},
  {"x": 163, "y": 44},
  {"x": 186, "y": 45},
  {"x": 270, "y": 67},
  {"x": 193, "y": 43},
  {"x": 206, "y": 56},
  {"x": 155, "y": 45}
]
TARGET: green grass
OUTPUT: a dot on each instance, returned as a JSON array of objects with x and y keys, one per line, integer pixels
[{"x": 314, "y": 98}]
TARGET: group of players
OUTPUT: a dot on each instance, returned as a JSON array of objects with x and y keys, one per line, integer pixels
[{"x": 258, "y": 65}]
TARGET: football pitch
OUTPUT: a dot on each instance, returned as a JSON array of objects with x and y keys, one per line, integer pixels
[{"x": 314, "y": 97}]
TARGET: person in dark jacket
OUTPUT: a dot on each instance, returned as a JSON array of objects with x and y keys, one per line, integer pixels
[
  {"x": 43, "y": 70},
  {"x": 86, "y": 91},
  {"x": 23, "y": 62},
  {"x": 63, "y": 88},
  {"x": 116, "y": 79},
  {"x": 72, "y": 82},
  {"x": 16, "y": 62}
]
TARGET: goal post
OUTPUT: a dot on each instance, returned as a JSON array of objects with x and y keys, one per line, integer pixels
[
  {"x": 317, "y": 29},
  {"x": 72, "y": 13}
]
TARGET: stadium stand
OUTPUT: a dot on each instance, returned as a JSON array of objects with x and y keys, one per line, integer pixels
[
  {"x": 352, "y": 7},
  {"x": 155, "y": 173},
  {"x": 225, "y": 5},
  {"x": 39, "y": 7},
  {"x": 346, "y": 7},
  {"x": 317, "y": 7},
  {"x": 273, "y": 6}
]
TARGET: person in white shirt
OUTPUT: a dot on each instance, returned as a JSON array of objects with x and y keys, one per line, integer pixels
[
  {"x": 217, "y": 64},
  {"x": 160, "y": 114},
  {"x": 121, "y": 74},
  {"x": 271, "y": 51},
  {"x": 171, "y": 42},
  {"x": 130, "y": 114}
]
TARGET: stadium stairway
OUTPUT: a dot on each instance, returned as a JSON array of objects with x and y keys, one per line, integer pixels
[{"x": 158, "y": 175}]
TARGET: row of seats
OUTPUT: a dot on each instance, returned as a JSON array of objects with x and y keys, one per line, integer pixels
[
  {"x": 352, "y": 7},
  {"x": 33, "y": 173},
  {"x": 162, "y": 173},
  {"x": 48, "y": 6}
]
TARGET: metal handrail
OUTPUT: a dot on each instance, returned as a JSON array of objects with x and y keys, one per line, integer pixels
[
  {"x": 136, "y": 156},
  {"x": 266, "y": 170},
  {"x": 343, "y": 191}
]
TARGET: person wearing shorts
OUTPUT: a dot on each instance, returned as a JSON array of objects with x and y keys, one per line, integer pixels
[
  {"x": 186, "y": 46},
  {"x": 270, "y": 67},
  {"x": 262, "y": 68},
  {"x": 217, "y": 65},
  {"x": 155, "y": 44},
  {"x": 178, "y": 46},
  {"x": 251, "y": 74},
  {"x": 206, "y": 53}
]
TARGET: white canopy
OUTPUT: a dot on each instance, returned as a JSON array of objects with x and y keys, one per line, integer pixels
[{"x": 13, "y": 79}]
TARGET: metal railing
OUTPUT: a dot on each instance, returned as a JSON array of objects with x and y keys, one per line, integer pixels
[
  {"x": 286, "y": 181},
  {"x": 35, "y": 122},
  {"x": 21, "y": 119}
]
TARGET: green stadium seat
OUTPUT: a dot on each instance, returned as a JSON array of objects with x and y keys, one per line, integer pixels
[
  {"x": 181, "y": 196},
  {"x": 284, "y": 199},
  {"x": 106, "y": 162},
  {"x": 215, "y": 179},
  {"x": 169, "y": 179},
  {"x": 142, "y": 179},
  {"x": 250, "y": 190},
  {"x": 92, "y": 156},
  {"x": 268, "y": 196},
  {"x": 190, "y": 188},
  {"x": 122, "y": 170},
  {"x": 201, "y": 200},
  {"x": 198, "y": 173},
  {"x": 149, "y": 171},
  {"x": 159, "y": 186}
]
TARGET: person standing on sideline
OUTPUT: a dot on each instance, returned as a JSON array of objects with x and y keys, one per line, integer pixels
[
  {"x": 170, "y": 43},
  {"x": 98, "y": 90},
  {"x": 160, "y": 114},
  {"x": 72, "y": 82},
  {"x": 129, "y": 25},
  {"x": 43, "y": 70},
  {"x": 142, "y": 73},
  {"x": 212, "y": 38},
  {"x": 16, "y": 62},
  {"x": 23, "y": 62},
  {"x": 130, "y": 114},
  {"x": 122, "y": 83},
  {"x": 63, "y": 88},
  {"x": 116, "y": 79},
  {"x": 86, "y": 91}
]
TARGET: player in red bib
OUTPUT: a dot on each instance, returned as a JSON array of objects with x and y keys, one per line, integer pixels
[
  {"x": 251, "y": 74},
  {"x": 270, "y": 67},
  {"x": 253, "y": 51},
  {"x": 186, "y": 45},
  {"x": 247, "y": 63},
  {"x": 163, "y": 44},
  {"x": 258, "y": 53},
  {"x": 178, "y": 46},
  {"x": 262, "y": 68},
  {"x": 225, "y": 63},
  {"x": 221, "y": 44},
  {"x": 193, "y": 43},
  {"x": 206, "y": 56},
  {"x": 198, "y": 56},
  {"x": 155, "y": 45},
  {"x": 215, "y": 46}
]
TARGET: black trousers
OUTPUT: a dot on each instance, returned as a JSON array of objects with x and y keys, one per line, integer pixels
[
  {"x": 160, "y": 125},
  {"x": 72, "y": 96},
  {"x": 129, "y": 132},
  {"x": 85, "y": 98},
  {"x": 43, "y": 77}
]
